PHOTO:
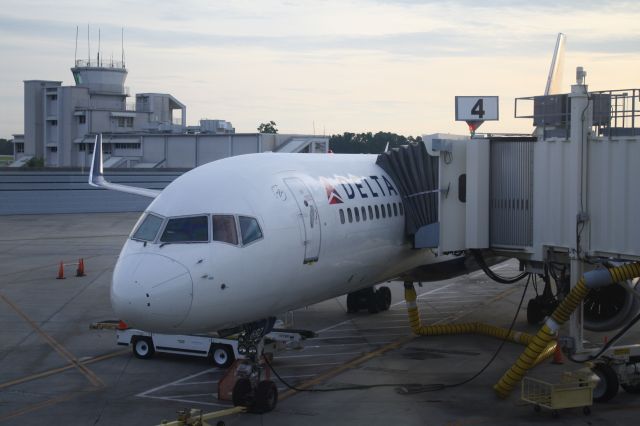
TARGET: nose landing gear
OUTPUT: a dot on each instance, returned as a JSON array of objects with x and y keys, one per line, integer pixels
[{"x": 251, "y": 390}]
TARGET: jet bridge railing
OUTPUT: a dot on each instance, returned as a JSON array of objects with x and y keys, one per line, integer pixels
[{"x": 615, "y": 113}]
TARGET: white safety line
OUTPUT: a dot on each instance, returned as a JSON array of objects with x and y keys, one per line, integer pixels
[
  {"x": 348, "y": 344},
  {"x": 342, "y": 330},
  {"x": 319, "y": 355},
  {"x": 311, "y": 365},
  {"x": 207, "y": 382},
  {"x": 188, "y": 401},
  {"x": 358, "y": 336},
  {"x": 176, "y": 381}
]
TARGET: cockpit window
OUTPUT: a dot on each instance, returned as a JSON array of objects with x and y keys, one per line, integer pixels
[
  {"x": 148, "y": 229},
  {"x": 249, "y": 229},
  {"x": 224, "y": 228},
  {"x": 192, "y": 229}
]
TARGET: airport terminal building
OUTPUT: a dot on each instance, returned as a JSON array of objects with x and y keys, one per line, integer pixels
[{"x": 61, "y": 123}]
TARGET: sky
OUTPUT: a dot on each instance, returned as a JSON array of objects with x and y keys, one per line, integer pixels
[{"x": 324, "y": 66}]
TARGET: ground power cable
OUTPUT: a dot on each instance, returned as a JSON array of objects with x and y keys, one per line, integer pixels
[{"x": 413, "y": 388}]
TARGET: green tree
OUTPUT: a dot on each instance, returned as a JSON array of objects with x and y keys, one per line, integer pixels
[
  {"x": 6, "y": 147},
  {"x": 368, "y": 143},
  {"x": 34, "y": 163},
  {"x": 269, "y": 127}
]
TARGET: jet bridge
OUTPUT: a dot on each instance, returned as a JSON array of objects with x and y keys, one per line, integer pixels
[{"x": 561, "y": 200}]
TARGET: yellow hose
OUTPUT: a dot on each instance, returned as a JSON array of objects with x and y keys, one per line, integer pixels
[
  {"x": 468, "y": 328},
  {"x": 539, "y": 343}
]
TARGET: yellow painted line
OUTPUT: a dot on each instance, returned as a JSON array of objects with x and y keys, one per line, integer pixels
[
  {"x": 44, "y": 404},
  {"x": 61, "y": 369},
  {"x": 90, "y": 375},
  {"x": 332, "y": 373},
  {"x": 390, "y": 346},
  {"x": 196, "y": 415}
]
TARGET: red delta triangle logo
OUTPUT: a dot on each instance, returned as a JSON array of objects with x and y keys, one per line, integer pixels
[{"x": 332, "y": 194}]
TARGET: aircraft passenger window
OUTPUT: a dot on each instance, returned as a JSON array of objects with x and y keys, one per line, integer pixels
[
  {"x": 401, "y": 209},
  {"x": 186, "y": 230},
  {"x": 342, "y": 216},
  {"x": 350, "y": 215},
  {"x": 148, "y": 229},
  {"x": 364, "y": 213},
  {"x": 370, "y": 213},
  {"x": 395, "y": 209},
  {"x": 384, "y": 213},
  {"x": 377, "y": 212},
  {"x": 224, "y": 228},
  {"x": 357, "y": 212},
  {"x": 249, "y": 229},
  {"x": 388, "y": 209}
]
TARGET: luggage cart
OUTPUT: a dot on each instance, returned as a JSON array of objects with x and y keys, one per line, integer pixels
[{"x": 574, "y": 390}]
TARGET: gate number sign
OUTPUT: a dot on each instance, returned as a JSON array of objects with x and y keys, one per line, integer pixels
[{"x": 476, "y": 108}]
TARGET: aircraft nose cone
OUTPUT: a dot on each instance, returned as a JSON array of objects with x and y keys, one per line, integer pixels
[{"x": 151, "y": 292}]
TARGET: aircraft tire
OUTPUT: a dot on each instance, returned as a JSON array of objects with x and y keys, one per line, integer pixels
[
  {"x": 385, "y": 295},
  {"x": 143, "y": 347},
  {"x": 633, "y": 389},
  {"x": 535, "y": 313},
  {"x": 221, "y": 356},
  {"x": 374, "y": 304},
  {"x": 352, "y": 303},
  {"x": 241, "y": 395},
  {"x": 607, "y": 386},
  {"x": 266, "y": 397}
]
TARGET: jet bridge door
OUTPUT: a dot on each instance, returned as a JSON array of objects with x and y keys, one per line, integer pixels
[{"x": 309, "y": 216}]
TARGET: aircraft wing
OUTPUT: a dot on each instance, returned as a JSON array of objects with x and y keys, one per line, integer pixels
[{"x": 96, "y": 176}]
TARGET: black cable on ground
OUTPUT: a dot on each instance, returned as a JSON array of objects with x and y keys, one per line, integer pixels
[
  {"x": 497, "y": 278},
  {"x": 413, "y": 388}
]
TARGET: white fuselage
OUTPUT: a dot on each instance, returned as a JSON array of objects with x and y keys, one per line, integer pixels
[{"x": 313, "y": 244}]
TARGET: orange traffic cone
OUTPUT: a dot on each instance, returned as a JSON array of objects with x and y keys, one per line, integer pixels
[
  {"x": 557, "y": 356},
  {"x": 60, "y": 271},
  {"x": 80, "y": 270},
  {"x": 122, "y": 325}
]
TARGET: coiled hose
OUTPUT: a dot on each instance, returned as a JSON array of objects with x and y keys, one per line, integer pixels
[
  {"x": 539, "y": 342},
  {"x": 467, "y": 328}
]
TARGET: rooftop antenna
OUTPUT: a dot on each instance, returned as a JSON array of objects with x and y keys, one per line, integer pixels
[
  {"x": 98, "y": 57},
  {"x": 88, "y": 47},
  {"x": 75, "y": 53},
  {"x": 122, "y": 41}
]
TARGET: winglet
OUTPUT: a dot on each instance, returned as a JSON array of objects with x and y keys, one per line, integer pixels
[
  {"x": 554, "y": 81},
  {"x": 96, "y": 175}
]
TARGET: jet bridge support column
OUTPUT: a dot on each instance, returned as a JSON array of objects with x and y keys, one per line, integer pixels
[{"x": 581, "y": 118}]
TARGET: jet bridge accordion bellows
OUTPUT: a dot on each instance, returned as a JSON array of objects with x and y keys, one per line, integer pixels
[{"x": 415, "y": 173}]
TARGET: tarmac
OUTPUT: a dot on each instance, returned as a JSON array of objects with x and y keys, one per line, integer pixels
[{"x": 55, "y": 370}]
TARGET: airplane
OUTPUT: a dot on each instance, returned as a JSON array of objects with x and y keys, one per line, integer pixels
[{"x": 240, "y": 239}]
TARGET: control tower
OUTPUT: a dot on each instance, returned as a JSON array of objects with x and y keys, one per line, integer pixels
[{"x": 101, "y": 78}]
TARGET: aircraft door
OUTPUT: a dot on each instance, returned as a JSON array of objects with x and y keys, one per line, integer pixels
[{"x": 310, "y": 218}]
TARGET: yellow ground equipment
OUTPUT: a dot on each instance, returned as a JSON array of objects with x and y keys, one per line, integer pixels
[
  {"x": 539, "y": 342},
  {"x": 574, "y": 390}
]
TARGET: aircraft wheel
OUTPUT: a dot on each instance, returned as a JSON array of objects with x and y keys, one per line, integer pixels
[
  {"x": 241, "y": 395},
  {"x": 607, "y": 386},
  {"x": 352, "y": 303},
  {"x": 143, "y": 347},
  {"x": 222, "y": 356},
  {"x": 374, "y": 304},
  {"x": 385, "y": 294},
  {"x": 266, "y": 397},
  {"x": 535, "y": 313},
  {"x": 634, "y": 389}
]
